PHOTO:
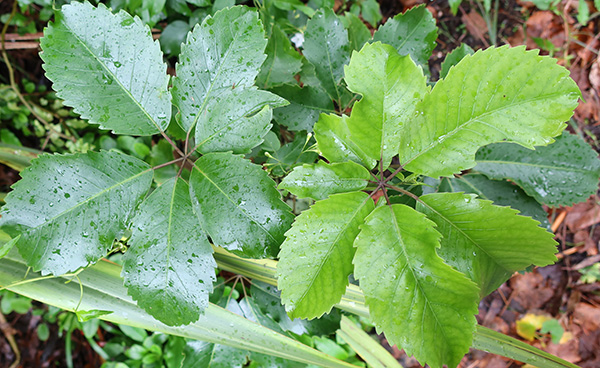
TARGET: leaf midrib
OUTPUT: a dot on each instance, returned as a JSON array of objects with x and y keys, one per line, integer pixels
[
  {"x": 465, "y": 235},
  {"x": 542, "y": 166},
  {"x": 127, "y": 93},
  {"x": 466, "y": 124},
  {"x": 418, "y": 283},
  {"x": 330, "y": 250},
  {"x": 234, "y": 204}
]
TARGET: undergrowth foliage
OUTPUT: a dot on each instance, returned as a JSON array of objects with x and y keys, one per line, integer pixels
[{"x": 395, "y": 206}]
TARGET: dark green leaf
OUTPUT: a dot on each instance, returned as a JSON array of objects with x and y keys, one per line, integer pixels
[
  {"x": 370, "y": 12},
  {"x": 69, "y": 209},
  {"x": 316, "y": 258},
  {"x": 161, "y": 153},
  {"x": 108, "y": 68},
  {"x": 173, "y": 36},
  {"x": 562, "y": 173},
  {"x": 268, "y": 300},
  {"x": 238, "y": 205},
  {"x": 205, "y": 354},
  {"x": 320, "y": 180},
  {"x": 499, "y": 94},
  {"x": 412, "y": 33},
  {"x": 169, "y": 268},
  {"x": 283, "y": 62},
  {"x": 422, "y": 304},
  {"x": 214, "y": 88},
  {"x": 327, "y": 47},
  {"x": 291, "y": 155},
  {"x": 306, "y": 103},
  {"x": 454, "y": 58},
  {"x": 358, "y": 33},
  {"x": 487, "y": 243}
]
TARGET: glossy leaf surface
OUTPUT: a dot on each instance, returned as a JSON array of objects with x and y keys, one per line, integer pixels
[
  {"x": 283, "y": 62},
  {"x": 327, "y": 48},
  {"x": 413, "y": 33},
  {"x": 421, "y": 304},
  {"x": 107, "y": 67},
  {"x": 239, "y": 207},
  {"x": 564, "y": 173},
  {"x": 69, "y": 209},
  {"x": 390, "y": 86},
  {"x": 320, "y": 180},
  {"x": 493, "y": 95},
  {"x": 169, "y": 268},
  {"x": 214, "y": 88},
  {"x": 306, "y": 103},
  {"x": 501, "y": 192},
  {"x": 334, "y": 141},
  {"x": 487, "y": 243},
  {"x": 316, "y": 258}
]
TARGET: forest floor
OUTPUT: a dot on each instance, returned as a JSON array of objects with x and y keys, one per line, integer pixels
[{"x": 558, "y": 292}]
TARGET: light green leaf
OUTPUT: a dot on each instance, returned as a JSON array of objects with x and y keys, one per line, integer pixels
[
  {"x": 333, "y": 139},
  {"x": 454, "y": 58},
  {"x": 69, "y": 209},
  {"x": 326, "y": 46},
  {"x": 316, "y": 257},
  {"x": 369, "y": 349},
  {"x": 454, "y": 4},
  {"x": 169, "y": 268},
  {"x": 320, "y": 180},
  {"x": 107, "y": 67},
  {"x": 423, "y": 305},
  {"x": 238, "y": 205},
  {"x": 370, "y": 12},
  {"x": 500, "y": 94},
  {"x": 390, "y": 85},
  {"x": 214, "y": 88},
  {"x": 487, "y": 243},
  {"x": 283, "y": 62},
  {"x": 306, "y": 103},
  {"x": 501, "y": 192},
  {"x": 413, "y": 33},
  {"x": 563, "y": 173},
  {"x": 358, "y": 33}
]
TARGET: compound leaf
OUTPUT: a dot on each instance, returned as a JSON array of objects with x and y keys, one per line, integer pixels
[
  {"x": 413, "y": 33},
  {"x": 487, "y": 243},
  {"x": 82, "y": 203},
  {"x": 500, "y": 94},
  {"x": 114, "y": 75},
  {"x": 501, "y": 192},
  {"x": 320, "y": 180},
  {"x": 316, "y": 257},
  {"x": 214, "y": 88},
  {"x": 391, "y": 85},
  {"x": 422, "y": 304},
  {"x": 326, "y": 46},
  {"x": 238, "y": 205},
  {"x": 564, "y": 173},
  {"x": 169, "y": 268},
  {"x": 333, "y": 139},
  {"x": 283, "y": 61}
]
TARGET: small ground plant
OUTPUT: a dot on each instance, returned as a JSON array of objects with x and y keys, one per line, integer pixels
[{"x": 406, "y": 190}]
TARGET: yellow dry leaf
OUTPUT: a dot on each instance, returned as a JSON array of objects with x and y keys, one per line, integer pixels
[
  {"x": 529, "y": 324},
  {"x": 566, "y": 337}
]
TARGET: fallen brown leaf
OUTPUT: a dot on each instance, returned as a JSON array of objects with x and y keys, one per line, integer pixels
[{"x": 587, "y": 316}]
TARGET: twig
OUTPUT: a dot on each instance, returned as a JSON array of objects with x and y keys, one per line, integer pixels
[
  {"x": 559, "y": 219},
  {"x": 11, "y": 341}
]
